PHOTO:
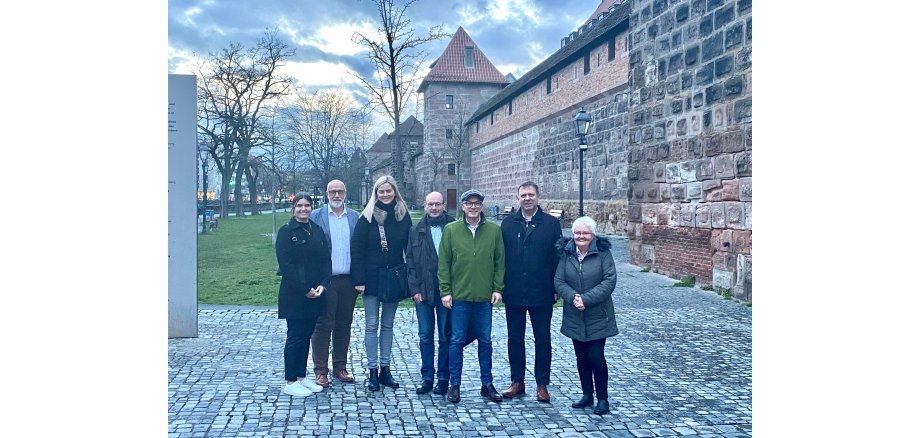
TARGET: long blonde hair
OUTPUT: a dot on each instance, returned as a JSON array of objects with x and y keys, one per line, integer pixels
[{"x": 400, "y": 209}]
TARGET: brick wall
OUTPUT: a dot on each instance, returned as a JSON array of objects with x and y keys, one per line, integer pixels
[
  {"x": 690, "y": 140},
  {"x": 537, "y": 140},
  {"x": 570, "y": 88}
]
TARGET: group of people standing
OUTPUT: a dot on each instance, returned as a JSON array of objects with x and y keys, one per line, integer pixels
[{"x": 457, "y": 271}]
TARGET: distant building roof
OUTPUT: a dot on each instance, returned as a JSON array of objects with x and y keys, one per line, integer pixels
[
  {"x": 382, "y": 144},
  {"x": 603, "y": 7},
  {"x": 616, "y": 22},
  {"x": 450, "y": 67},
  {"x": 411, "y": 126}
]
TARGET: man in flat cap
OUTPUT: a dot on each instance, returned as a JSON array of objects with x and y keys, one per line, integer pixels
[{"x": 471, "y": 271}]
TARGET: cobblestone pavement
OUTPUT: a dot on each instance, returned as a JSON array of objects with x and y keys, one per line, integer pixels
[{"x": 681, "y": 366}]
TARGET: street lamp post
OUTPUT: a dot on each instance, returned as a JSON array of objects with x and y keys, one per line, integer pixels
[
  {"x": 582, "y": 120},
  {"x": 367, "y": 184},
  {"x": 203, "y": 153}
]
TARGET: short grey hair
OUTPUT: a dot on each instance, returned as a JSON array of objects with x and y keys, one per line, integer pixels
[{"x": 586, "y": 221}]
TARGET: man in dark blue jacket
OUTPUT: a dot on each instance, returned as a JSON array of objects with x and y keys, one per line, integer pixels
[{"x": 530, "y": 265}]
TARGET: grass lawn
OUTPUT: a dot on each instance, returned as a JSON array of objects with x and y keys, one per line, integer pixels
[{"x": 237, "y": 264}]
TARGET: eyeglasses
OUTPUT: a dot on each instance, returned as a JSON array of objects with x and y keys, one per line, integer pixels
[
  {"x": 472, "y": 204},
  {"x": 336, "y": 192}
]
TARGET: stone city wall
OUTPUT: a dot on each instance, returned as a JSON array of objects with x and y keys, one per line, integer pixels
[{"x": 690, "y": 140}]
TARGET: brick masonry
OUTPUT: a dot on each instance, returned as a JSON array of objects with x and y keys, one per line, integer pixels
[
  {"x": 690, "y": 139},
  {"x": 537, "y": 140}
]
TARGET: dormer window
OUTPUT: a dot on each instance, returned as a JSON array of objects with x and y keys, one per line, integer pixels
[{"x": 468, "y": 57}]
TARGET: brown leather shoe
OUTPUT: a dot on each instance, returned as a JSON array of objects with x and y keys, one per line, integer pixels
[
  {"x": 343, "y": 376},
  {"x": 542, "y": 394},
  {"x": 516, "y": 389},
  {"x": 322, "y": 380},
  {"x": 489, "y": 392}
]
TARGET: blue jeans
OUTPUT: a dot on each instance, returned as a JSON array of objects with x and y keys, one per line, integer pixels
[
  {"x": 426, "y": 312},
  {"x": 377, "y": 314},
  {"x": 476, "y": 317}
]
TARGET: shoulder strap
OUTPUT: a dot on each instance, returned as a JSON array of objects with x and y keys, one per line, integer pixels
[{"x": 383, "y": 238}]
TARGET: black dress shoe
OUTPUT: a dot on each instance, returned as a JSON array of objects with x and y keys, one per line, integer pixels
[
  {"x": 425, "y": 387},
  {"x": 603, "y": 407},
  {"x": 586, "y": 400},
  {"x": 489, "y": 392},
  {"x": 441, "y": 387},
  {"x": 453, "y": 394}
]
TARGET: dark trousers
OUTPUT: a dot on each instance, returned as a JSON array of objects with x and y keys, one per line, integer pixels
[
  {"x": 541, "y": 318},
  {"x": 297, "y": 347},
  {"x": 589, "y": 356},
  {"x": 335, "y": 323},
  {"x": 476, "y": 317},
  {"x": 427, "y": 312}
]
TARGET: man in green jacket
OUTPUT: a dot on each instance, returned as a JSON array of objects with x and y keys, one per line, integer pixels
[{"x": 471, "y": 275}]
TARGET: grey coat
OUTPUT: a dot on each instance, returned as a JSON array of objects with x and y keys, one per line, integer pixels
[{"x": 594, "y": 278}]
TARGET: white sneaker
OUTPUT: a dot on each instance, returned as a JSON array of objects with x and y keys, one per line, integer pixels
[
  {"x": 296, "y": 390},
  {"x": 311, "y": 385}
]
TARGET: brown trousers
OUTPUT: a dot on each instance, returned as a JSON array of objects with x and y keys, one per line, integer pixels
[{"x": 334, "y": 324}]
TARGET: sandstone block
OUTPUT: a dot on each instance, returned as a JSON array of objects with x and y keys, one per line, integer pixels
[
  {"x": 748, "y": 218},
  {"x": 688, "y": 171},
  {"x": 678, "y": 192},
  {"x": 694, "y": 191},
  {"x": 717, "y": 214},
  {"x": 730, "y": 190},
  {"x": 688, "y": 215},
  {"x": 724, "y": 166},
  {"x": 650, "y": 214},
  {"x": 723, "y": 279},
  {"x": 734, "y": 215},
  {"x": 741, "y": 241},
  {"x": 745, "y": 189},
  {"x": 659, "y": 172},
  {"x": 673, "y": 215},
  {"x": 702, "y": 216},
  {"x": 673, "y": 173},
  {"x": 648, "y": 255}
]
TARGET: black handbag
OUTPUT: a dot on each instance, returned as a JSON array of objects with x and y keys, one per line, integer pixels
[{"x": 392, "y": 283}]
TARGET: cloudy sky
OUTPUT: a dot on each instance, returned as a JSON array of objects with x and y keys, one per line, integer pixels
[{"x": 515, "y": 35}]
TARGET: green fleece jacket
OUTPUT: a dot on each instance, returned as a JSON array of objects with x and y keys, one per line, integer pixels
[{"x": 470, "y": 269}]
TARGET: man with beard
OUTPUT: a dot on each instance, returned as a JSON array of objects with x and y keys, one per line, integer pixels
[{"x": 338, "y": 222}]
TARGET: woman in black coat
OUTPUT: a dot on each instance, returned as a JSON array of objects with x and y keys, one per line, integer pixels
[
  {"x": 585, "y": 279},
  {"x": 368, "y": 258},
  {"x": 305, "y": 266}
]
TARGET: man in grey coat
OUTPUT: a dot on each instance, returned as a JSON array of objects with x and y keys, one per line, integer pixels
[{"x": 338, "y": 222}]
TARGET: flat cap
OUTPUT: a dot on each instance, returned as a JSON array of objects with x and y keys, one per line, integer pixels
[{"x": 471, "y": 192}]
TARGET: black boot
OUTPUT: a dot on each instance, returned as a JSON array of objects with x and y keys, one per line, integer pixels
[
  {"x": 372, "y": 383},
  {"x": 386, "y": 379},
  {"x": 586, "y": 400},
  {"x": 441, "y": 387},
  {"x": 425, "y": 387},
  {"x": 602, "y": 408}
]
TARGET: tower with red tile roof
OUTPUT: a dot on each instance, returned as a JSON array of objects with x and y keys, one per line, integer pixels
[{"x": 460, "y": 80}]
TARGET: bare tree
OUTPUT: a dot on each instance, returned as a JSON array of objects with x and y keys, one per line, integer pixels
[
  {"x": 397, "y": 55},
  {"x": 324, "y": 125},
  {"x": 457, "y": 144},
  {"x": 237, "y": 85}
]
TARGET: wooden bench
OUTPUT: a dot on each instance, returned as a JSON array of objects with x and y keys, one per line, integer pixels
[
  {"x": 558, "y": 214},
  {"x": 508, "y": 211}
]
